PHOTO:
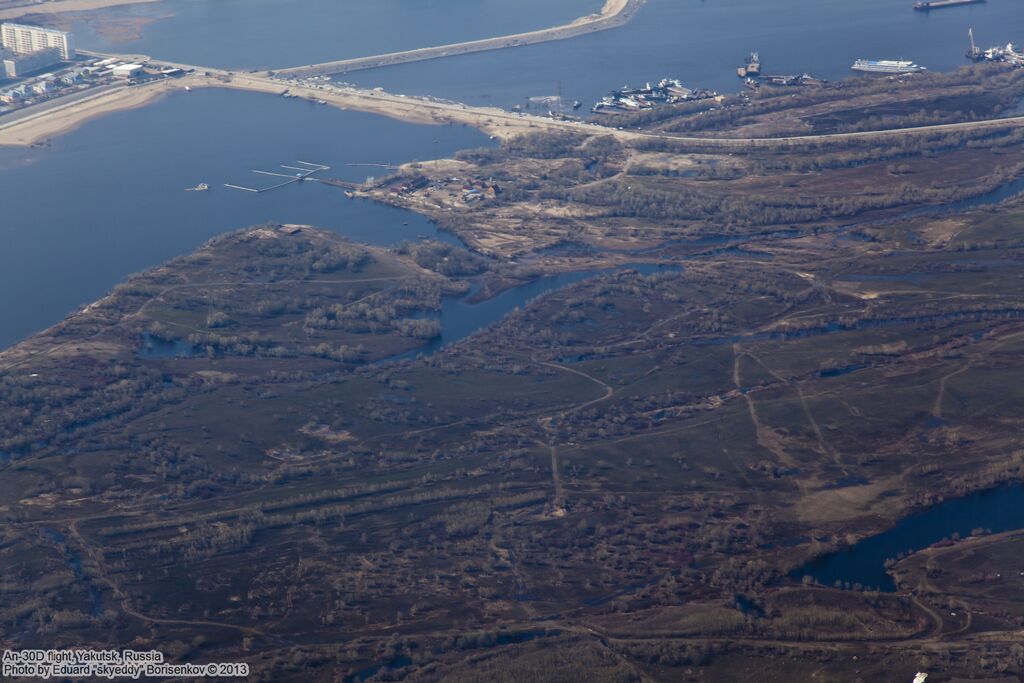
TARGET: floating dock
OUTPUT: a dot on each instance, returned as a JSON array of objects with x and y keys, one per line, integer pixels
[
  {"x": 752, "y": 67},
  {"x": 303, "y": 172}
]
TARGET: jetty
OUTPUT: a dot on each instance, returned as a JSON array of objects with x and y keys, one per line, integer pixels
[
  {"x": 614, "y": 13},
  {"x": 300, "y": 173}
]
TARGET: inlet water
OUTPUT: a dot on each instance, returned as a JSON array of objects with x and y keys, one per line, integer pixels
[
  {"x": 702, "y": 43},
  {"x": 108, "y": 199},
  {"x": 998, "y": 510},
  {"x": 697, "y": 41},
  {"x": 460, "y": 318},
  {"x": 266, "y": 34}
]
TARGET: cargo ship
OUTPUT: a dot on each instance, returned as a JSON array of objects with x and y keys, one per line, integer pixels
[
  {"x": 886, "y": 66},
  {"x": 939, "y": 4}
]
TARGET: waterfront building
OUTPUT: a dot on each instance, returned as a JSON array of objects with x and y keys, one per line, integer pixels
[
  {"x": 16, "y": 65},
  {"x": 23, "y": 39},
  {"x": 127, "y": 70},
  {"x": 13, "y": 95}
]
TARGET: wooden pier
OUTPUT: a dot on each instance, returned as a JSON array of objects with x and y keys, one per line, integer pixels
[{"x": 303, "y": 172}]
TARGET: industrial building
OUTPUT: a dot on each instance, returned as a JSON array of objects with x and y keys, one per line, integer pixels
[
  {"x": 126, "y": 70},
  {"x": 22, "y": 40},
  {"x": 14, "y": 65}
]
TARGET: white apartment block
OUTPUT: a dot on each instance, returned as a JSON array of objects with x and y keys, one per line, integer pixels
[{"x": 21, "y": 39}]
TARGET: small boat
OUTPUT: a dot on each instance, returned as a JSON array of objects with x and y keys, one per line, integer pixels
[
  {"x": 201, "y": 187},
  {"x": 576, "y": 104}
]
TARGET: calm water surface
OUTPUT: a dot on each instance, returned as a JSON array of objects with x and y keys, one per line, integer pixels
[
  {"x": 996, "y": 510},
  {"x": 108, "y": 199},
  {"x": 460, "y": 318},
  {"x": 701, "y": 42},
  {"x": 263, "y": 34}
]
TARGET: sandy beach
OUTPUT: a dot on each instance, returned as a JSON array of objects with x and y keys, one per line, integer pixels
[
  {"x": 491, "y": 120},
  {"x": 36, "y": 129},
  {"x": 59, "y": 6}
]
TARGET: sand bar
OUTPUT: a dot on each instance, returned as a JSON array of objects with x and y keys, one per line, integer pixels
[
  {"x": 613, "y": 13},
  {"x": 33, "y": 129}
]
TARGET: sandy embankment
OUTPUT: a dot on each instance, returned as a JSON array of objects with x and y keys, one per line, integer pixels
[
  {"x": 410, "y": 109},
  {"x": 48, "y": 122},
  {"x": 65, "y": 6},
  {"x": 58, "y": 120},
  {"x": 613, "y": 13},
  {"x": 498, "y": 122},
  {"x": 37, "y": 128}
]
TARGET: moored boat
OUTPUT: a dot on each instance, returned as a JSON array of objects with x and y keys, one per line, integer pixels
[{"x": 886, "y": 66}]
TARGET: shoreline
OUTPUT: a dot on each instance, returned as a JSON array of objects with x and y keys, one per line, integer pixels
[
  {"x": 612, "y": 14},
  {"x": 36, "y": 129},
  {"x": 61, "y": 6}
]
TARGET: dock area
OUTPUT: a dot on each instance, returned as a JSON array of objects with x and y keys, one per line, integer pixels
[{"x": 304, "y": 171}]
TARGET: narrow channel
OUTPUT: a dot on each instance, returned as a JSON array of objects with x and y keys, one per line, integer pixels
[{"x": 992, "y": 511}]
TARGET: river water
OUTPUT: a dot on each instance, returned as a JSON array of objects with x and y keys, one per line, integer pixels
[
  {"x": 701, "y": 42},
  {"x": 108, "y": 199},
  {"x": 698, "y": 41},
  {"x": 263, "y": 34},
  {"x": 460, "y": 318},
  {"x": 995, "y": 510}
]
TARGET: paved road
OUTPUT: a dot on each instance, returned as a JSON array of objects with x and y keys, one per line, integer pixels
[
  {"x": 495, "y": 121},
  {"x": 56, "y": 104}
]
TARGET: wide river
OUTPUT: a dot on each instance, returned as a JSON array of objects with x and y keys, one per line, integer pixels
[
  {"x": 109, "y": 199},
  {"x": 701, "y": 42},
  {"x": 698, "y": 41},
  {"x": 263, "y": 34}
]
